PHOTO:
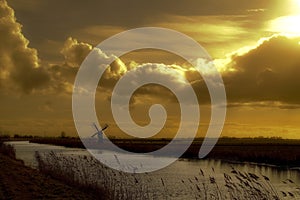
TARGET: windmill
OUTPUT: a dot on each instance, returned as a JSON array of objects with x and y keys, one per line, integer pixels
[{"x": 99, "y": 133}]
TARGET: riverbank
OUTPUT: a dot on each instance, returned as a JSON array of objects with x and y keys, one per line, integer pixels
[
  {"x": 270, "y": 151},
  {"x": 175, "y": 180},
  {"x": 20, "y": 182}
]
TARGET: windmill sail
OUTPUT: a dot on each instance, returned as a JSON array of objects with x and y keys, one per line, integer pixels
[{"x": 99, "y": 133}]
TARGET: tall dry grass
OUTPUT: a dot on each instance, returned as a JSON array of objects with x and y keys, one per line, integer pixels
[
  {"x": 89, "y": 173},
  {"x": 7, "y": 150}
]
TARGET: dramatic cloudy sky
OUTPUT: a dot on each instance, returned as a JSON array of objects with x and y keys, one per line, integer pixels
[{"x": 254, "y": 44}]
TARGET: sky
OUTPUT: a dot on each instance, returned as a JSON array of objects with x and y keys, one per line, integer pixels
[{"x": 254, "y": 44}]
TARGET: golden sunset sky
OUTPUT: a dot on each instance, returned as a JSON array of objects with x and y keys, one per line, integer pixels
[{"x": 254, "y": 44}]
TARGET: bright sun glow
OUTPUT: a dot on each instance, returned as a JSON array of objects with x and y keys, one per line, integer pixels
[
  {"x": 287, "y": 24},
  {"x": 295, "y": 6},
  {"x": 297, "y": 3}
]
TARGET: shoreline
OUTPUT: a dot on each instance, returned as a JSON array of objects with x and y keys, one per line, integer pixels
[
  {"x": 65, "y": 179},
  {"x": 243, "y": 163},
  {"x": 273, "y": 152},
  {"x": 18, "y": 181}
]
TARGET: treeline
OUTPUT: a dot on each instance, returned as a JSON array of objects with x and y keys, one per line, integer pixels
[{"x": 276, "y": 151}]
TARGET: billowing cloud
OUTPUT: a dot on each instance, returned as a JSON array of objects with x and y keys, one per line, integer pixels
[
  {"x": 63, "y": 74},
  {"x": 19, "y": 64},
  {"x": 75, "y": 52},
  {"x": 163, "y": 84},
  {"x": 265, "y": 75},
  {"x": 268, "y": 72}
]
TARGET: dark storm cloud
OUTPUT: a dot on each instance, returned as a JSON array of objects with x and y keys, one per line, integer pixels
[
  {"x": 265, "y": 76},
  {"x": 269, "y": 72},
  {"x": 19, "y": 64}
]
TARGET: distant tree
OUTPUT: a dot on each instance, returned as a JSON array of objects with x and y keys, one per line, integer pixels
[
  {"x": 276, "y": 138},
  {"x": 4, "y": 135},
  {"x": 62, "y": 134}
]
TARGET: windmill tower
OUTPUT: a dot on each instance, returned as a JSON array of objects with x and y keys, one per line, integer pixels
[{"x": 99, "y": 133}]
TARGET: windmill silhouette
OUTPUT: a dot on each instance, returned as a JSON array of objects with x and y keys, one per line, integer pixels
[{"x": 99, "y": 133}]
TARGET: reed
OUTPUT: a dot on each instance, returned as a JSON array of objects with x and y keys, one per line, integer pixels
[
  {"x": 90, "y": 174},
  {"x": 8, "y": 150}
]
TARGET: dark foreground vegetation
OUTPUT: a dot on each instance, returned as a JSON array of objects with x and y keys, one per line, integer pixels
[
  {"x": 63, "y": 176},
  {"x": 273, "y": 151},
  {"x": 88, "y": 172},
  {"x": 20, "y": 182}
]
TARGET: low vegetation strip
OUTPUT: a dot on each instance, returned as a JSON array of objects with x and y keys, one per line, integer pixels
[
  {"x": 272, "y": 151},
  {"x": 20, "y": 182}
]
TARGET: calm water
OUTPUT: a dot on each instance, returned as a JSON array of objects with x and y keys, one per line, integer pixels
[{"x": 182, "y": 169}]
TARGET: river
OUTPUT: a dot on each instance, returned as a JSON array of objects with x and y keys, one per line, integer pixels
[{"x": 182, "y": 169}]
